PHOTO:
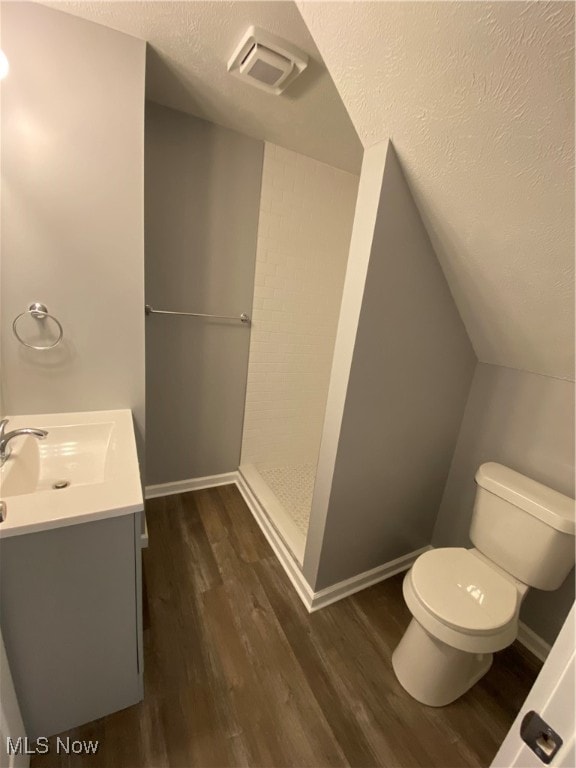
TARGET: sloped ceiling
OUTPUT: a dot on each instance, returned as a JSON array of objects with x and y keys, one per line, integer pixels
[
  {"x": 189, "y": 46},
  {"x": 478, "y": 99}
]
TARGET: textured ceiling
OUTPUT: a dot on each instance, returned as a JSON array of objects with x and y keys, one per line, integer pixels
[
  {"x": 478, "y": 99},
  {"x": 190, "y": 44}
]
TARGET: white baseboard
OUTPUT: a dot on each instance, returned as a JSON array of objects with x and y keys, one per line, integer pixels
[
  {"x": 194, "y": 484},
  {"x": 348, "y": 587},
  {"x": 282, "y": 552},
  {"x": 533, "y": 642},
  {"x": 286, "y": 527},
  {"x": 314, "y": 601}
]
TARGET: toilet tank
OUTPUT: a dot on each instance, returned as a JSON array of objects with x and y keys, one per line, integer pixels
[{"x": 523, "y": 526}]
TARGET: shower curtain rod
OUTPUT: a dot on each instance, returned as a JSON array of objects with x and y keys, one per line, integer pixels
[{"x": 244, "y": 318}]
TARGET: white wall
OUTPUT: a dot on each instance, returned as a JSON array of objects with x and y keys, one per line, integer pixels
[
  {"x": 402, "y": 369},
  {"x": 72, "y": 210},
  {"x": 479, "y": 100},
  {"x": 202, "y": 203},
  {"x": 306, "y": 215},
  {"x": 189, "y": 44},
  {"x": 526, "y": 422}
]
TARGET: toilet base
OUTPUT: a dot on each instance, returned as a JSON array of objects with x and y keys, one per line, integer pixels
[{"x": 432, "y": 672}]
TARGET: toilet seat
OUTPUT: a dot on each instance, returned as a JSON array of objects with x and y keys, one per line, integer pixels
[
  {"x": 464, "y": 592},
  {"x": 460, "y": 599}
]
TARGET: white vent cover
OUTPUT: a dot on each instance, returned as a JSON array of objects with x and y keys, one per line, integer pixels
[{"x": 267, "y": 61}]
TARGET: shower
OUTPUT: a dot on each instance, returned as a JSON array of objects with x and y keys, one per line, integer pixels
[{"x": 304, "y": 229}]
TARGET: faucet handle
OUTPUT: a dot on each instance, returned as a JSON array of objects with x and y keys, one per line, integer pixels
[{"x": 3, "y": 425}]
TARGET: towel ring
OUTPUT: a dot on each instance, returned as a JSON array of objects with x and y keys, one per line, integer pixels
[{"x": 39, "y": 312}]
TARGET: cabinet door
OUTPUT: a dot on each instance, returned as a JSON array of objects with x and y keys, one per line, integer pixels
[
  {"x": 69, "y": 617},
  {"x": 11, "y": 725}
]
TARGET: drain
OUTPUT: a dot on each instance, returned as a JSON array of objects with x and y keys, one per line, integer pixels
[{"x": 60, "y": 484}]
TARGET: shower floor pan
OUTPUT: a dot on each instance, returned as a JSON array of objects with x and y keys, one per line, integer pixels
[{"x": 285, "y": 492}]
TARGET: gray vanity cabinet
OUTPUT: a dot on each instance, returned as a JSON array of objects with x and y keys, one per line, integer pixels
[{"x": 71, "y": 618}]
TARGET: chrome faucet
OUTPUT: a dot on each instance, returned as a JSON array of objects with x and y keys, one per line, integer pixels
[{"x": 5, "y": 437}]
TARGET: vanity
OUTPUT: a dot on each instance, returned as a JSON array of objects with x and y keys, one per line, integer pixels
[{"x": 70, "y": 568}]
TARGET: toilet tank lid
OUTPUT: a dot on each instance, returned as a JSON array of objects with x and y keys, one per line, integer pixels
[{"x": 553, "y": 508}]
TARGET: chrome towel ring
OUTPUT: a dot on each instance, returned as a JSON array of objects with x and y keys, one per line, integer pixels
[{"x": 39, "y": 312}]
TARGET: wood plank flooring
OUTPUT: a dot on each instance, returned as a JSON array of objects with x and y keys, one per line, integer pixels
[{"x": 237, "y": 673}]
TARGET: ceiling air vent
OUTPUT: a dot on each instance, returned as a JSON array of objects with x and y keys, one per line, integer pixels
[{"x": 267, "y": 61}]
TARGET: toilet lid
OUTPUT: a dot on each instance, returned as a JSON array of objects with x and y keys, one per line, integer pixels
[{"x": 463, "y": 591}]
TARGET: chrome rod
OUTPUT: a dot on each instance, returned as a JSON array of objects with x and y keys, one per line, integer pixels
[{"x": 244, "y": 318}]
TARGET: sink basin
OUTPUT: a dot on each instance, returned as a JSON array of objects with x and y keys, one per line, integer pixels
[
  {"x": 71, "y": 455},
  {"x": 85, "y": 469}
]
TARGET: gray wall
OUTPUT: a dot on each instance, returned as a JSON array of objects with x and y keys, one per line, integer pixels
[
  {"x": 525, "y": 421},
  {"x": 411, "y": 371},
  {"x": 202, "y": 204},
  {"x": 72, "y": 210}
]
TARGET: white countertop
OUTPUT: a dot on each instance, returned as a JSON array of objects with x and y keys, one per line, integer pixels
[{"x": 95, "y": 450}]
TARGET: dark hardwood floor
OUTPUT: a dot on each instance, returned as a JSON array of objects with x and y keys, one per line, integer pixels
[{"x": 237, "y": 673}]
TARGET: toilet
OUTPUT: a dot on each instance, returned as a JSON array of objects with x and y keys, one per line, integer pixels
[{"x": 465, "y": 603}]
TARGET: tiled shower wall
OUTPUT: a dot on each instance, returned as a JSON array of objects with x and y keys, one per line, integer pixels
[{"x": 305, "y": 224}]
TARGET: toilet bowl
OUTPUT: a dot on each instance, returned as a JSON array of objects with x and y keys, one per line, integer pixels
[
  {"x": 465, "y": 603},
  {"x": 464, "y": 610}
]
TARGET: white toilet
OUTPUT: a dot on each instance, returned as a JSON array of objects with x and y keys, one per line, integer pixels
[{"x": 465, "y": 602}]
